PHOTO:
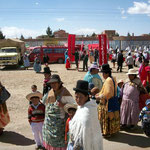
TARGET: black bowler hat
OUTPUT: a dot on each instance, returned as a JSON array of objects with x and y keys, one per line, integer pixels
[
  {"x": 55, "y": 78},
  {"x": 47, "y": 70},
  {"x": 106, "y": 68},
  {"x": 82, "y": 86}
]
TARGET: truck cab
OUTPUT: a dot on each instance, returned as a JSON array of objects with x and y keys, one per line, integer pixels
[{"x": 10, "y": 56}]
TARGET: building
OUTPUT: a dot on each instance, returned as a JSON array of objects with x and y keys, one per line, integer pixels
[
  {"x": 110, "y": 33},
  {"x": 60, "y": 33}
]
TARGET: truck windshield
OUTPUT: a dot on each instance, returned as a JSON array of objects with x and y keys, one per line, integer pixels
[{"x": 8, "y": 50}]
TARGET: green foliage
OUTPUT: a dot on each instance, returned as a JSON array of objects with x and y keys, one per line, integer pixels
[
  {"x": 1, "y": 35},
  {"x": 128, "y": 34},
  {"x": 21, "y": 37},
  {"x": 116, "y": 34},
  {"x": 49, "y": 32},
  {"x": 93, "y": 35}
]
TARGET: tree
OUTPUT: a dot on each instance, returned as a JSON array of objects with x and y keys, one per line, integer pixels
[
  {"x": 128, "y": 34},
  {"x": 21, "y": 37},
  {"x": 93, "y": 35},
  {"x": 116, "y": 34},
  {"x": 1, "y": 35},
  {"x": 49, "y": 32}
]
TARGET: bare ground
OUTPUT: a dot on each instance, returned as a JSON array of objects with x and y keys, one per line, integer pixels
[{"x": 18, "y": 135}]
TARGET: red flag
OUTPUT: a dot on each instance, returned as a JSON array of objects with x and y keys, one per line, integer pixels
[
  {"x": 71, "y": 46},
  {"x": 102, "y": 49}
]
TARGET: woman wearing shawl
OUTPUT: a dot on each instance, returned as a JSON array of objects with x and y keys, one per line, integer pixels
[
  {"x": 93, "y": 77},
  {"x": 129, "y": 111},
  {"x": 37, "y": 64},
  {"x": 84, "y": 128},
  {"x": 109, "y": 120},
  {"x": 4, "y": 116},
  {"x": 54, "y": 124}
]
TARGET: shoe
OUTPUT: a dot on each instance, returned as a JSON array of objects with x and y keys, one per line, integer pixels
[
  {"x": 1, "y": 131},
  {"x": 107, "y": 136},
  {"x": 39, "y": 147},
  {"x": 123, "y": 126},
  {"x": 132, "y": 127}
]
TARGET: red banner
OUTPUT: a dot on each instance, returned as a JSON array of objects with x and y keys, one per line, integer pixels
[
  {"x": 71, "y": 46},
  {"x": 102, "y": 49}
]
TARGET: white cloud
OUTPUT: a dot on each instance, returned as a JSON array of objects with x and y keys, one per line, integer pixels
[
  {"x": 36, "y": 3},
  {"x": 15, "y": 32},
  {"x": 140, "y": 8},
  {"x": 121, "y": 10},
  {"x": 85, "y": 31},
  {"x": 60, "y": 19}
]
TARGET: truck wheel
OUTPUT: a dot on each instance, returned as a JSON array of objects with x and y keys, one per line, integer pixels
[{"x": 60, "y": 61}]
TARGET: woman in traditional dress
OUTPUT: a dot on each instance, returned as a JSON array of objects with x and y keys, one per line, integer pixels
[
  {"x": 54, "y": 124},
  {"x": 84, "y": 128},
  {"x": 4, "y": 116},
  {"x": 129, "y": 111},
  {"x": 26, "y": 61},
  {"x": 37, "y": 64},
  {"x": 109, "y": 120},
  {"x": 93, "y": 77}
]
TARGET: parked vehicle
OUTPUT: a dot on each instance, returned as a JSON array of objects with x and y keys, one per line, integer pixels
[
  {"x": 9, "y": 56},
  {"x": 55, "y": 53},
  {"x": 11, "y": 52}
]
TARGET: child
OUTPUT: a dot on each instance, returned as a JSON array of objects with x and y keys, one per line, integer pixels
[
  {"x": 70, "y": 109},
  {"x": 47, "y": 76},
  {"x": 36, "y": 114},
  {"x": 68, "y": 66},
  {"x": 145, "y": 117},
  {"x": 94, "y": 91},
  {"x": 119, "y": 87},
  {"x": 34, "y": 88}
]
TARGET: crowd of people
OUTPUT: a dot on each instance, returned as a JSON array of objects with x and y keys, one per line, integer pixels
[{"x": 99, "y": 109}]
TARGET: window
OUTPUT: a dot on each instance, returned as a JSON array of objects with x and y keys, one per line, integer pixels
[
  {"x": 47, "y": 50},
  {"x": 36, "y": 50},
  {"x": 60, "y": 50}
]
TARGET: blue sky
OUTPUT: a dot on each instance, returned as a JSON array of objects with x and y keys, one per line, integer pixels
[{"x": 32, "y": 17}]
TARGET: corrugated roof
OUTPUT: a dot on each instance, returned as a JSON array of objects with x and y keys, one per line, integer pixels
[{"x": 16, "y": 40}]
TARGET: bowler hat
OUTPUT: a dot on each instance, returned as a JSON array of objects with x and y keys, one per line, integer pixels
[
  {"x": 47, "y": 70},
  {"x": 105, "y": 68},
  {"x": 82, "y": 86},
  {"x": 55, "y": 78}
]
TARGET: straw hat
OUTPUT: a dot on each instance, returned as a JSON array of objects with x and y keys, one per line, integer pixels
[
  {"x": 120, "y": 81},
  {"x": 132, "y": 71},
  {"x": 67, "y": 106},
  {"x": 54, "y": 78},
  {"x": 34, "y": 94}
]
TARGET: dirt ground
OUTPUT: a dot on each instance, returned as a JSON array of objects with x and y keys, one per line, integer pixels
[{"x": 18, "y": 135}]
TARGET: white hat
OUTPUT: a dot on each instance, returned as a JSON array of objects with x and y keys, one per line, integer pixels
[
  {"x": 67, "y": 106},
  {"x": 120, "y": 81},
  {"x": 132, "y": 71},
  {"x": 34, "y": 94}
]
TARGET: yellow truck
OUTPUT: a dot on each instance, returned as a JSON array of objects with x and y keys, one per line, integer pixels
[{"x": 11, "y": 52}]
